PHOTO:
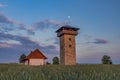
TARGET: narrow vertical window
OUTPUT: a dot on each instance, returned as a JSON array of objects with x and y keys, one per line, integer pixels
[{"x": 69, "y": 39}]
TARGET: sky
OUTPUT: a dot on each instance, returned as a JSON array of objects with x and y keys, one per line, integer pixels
[{"x": 26, "y": 25}]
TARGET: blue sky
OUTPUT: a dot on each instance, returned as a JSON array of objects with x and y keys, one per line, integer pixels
[{"x": 29, "y": 24}]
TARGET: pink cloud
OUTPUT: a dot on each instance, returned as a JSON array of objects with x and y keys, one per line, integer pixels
[
  {"x": 2, "y": 5},
  {"x": 48, "y": 23},
  {"x": 99, "y": 41},
  {"x": 5, "y": 19},
  {"x": 2, "y": 45},
  {"x": 57, "y": 23},
  {"x": 53, "y": 22}
]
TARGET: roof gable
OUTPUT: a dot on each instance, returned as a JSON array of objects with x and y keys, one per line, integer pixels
[{"x": 36, "y": 54}]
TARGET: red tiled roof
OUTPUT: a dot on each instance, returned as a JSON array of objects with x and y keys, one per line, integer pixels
[{"x": 36, "y": 54}]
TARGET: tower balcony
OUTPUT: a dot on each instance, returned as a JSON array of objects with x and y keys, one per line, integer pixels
[{"x": 69, "y": 32}]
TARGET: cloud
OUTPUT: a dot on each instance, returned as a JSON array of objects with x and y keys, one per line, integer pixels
[
  {"x": 52, "y": 47},
  {"x": 5, "y": 19},
  {"x": 5, "y": 28},
  {"x": 53, "y": 22},
  {"x": 22, "y": 26},
  {"x": 39, "y": 25},
  {"x": 48, "y": 23},
  {"x": 24, "y": 42},
  {"x": 7, "y": 24},
  {"x": 2, "y": 5},
  {"x": 14, "y": 45},
  {"x": 4, "y": 45},
  {"x": 51, "y": 38},
  {"x": 99, "y": 41},
  {"x": 57, "y": 23},
  {"x": 54, "y": 39}
]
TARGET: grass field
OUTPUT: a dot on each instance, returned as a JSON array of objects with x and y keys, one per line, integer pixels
[{"x": 59, "y": 72}]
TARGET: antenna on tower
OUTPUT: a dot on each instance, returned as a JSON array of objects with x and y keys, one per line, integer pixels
[
  {"x": 68, "y": 17},
  {"x": 68, "y": 21}
]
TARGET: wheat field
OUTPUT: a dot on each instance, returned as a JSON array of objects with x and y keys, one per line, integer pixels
[{"x": 59, "y": 72}]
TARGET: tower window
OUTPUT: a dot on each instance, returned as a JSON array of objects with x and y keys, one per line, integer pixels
[
  {"x": 70, "y": 45},
  {"x": 69, "y": 39}
]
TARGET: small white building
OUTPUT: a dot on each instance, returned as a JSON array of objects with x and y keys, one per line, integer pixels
[{"x": 35, "y": 58}]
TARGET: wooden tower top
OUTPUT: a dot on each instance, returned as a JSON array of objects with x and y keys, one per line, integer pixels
[{"x": 67, "y": 30}]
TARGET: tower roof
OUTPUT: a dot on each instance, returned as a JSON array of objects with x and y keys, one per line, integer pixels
[
  {"x": 67, "y": 27},
  {"x": 36, "y": 54}
]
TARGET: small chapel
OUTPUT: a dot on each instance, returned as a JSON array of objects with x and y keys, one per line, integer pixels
[{"x": 35, "y": 57}]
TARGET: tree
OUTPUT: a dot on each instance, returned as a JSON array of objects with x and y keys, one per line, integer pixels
[
  {"x": 56, "y": 60},
  {"x": 106, "y": 59},
  {"x": 48, "y": 63},
  {"x": 22, "y": 57}
]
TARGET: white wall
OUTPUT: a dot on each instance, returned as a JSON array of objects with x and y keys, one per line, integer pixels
[
  {"x": 26, "y": 62},
  {"x": 36, "y": 62}
]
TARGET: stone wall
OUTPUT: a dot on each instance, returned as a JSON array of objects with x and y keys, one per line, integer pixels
[{"x": 67, "y": 49}]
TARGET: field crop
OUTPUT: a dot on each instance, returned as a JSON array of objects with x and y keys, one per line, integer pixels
[{"x": 59, "y": 72}]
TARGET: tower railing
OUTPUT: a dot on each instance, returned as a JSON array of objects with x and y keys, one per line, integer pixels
[{"x": 67, "y": 32}]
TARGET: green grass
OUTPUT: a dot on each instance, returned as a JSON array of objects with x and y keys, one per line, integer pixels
[{"x": 59, "y": 72}]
